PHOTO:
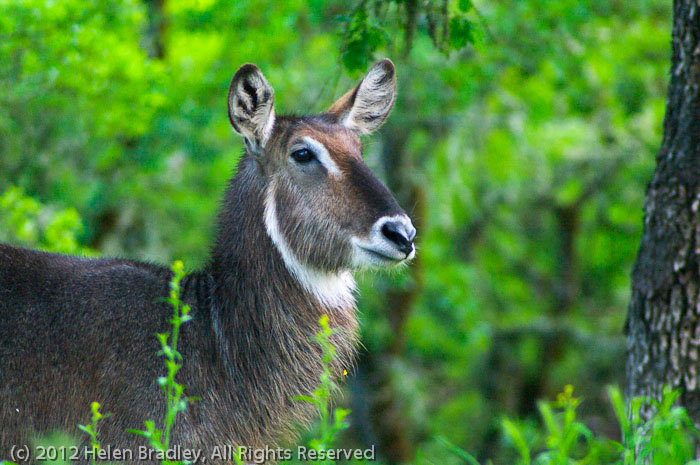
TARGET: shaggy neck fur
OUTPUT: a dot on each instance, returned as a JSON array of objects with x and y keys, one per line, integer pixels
[
  {"x": 264, "y": 314},
  {"x": 332, "y": 290}
]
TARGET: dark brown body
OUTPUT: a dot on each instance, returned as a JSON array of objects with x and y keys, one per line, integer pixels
[{"x": 74, "y": 330}]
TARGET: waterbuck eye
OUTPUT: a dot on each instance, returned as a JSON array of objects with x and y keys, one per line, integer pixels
[{"x": 302, "y": 155}]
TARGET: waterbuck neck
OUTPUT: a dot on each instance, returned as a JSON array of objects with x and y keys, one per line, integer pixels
[
  {"x": 263, "y": 318},
  {"x": 250, "y": 248}
]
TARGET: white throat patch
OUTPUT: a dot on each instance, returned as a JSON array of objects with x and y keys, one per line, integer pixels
[{"x": 333, "y": 290}]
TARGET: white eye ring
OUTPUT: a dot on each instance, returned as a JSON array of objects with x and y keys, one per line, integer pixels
[{"x": 321, "y": 154}]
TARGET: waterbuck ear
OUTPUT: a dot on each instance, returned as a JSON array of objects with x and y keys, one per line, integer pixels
[
  {"x": 364, "y": 108},
  {"x": 251, "y": 106}
]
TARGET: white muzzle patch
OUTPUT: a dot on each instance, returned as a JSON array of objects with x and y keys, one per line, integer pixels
[{"x": 378, "y": 250}]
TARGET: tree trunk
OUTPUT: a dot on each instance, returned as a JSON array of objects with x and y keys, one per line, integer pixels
[
  {"x": 663, "y": 324},
  {"x": 157, "y": 27}
]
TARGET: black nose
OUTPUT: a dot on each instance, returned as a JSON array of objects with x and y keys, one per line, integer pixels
[{"x": 400, "y": 234}]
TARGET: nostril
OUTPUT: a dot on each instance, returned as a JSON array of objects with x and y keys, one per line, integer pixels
[{"x": 399, "y": 235}]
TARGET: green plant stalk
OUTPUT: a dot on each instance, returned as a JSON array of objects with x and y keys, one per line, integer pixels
[
  {"x": 160, "y": 439},
  {"x": 91, "y": 430},
  {"x": 332, "y": 421},
  {"x": 174, "y": 363}
]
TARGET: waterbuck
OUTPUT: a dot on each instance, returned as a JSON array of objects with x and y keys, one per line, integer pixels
[{"x": 301, "y": 213}]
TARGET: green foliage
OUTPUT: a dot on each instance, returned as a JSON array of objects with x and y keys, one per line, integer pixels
[
  {"x": 159, "y": 439},
  {"x": 668, "y": 437},
  {"x": 532, "y": 212},
  {"x": 362, "y": 37},
  {"x": 373, "y": 25},
  {"x": 29, "y": 223},
  {"x": 525, "y": 159},
  {"x": 565, "y": 439},
  {"x": 54, "y": 448}
]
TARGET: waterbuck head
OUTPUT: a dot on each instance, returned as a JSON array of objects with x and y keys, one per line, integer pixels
[{"x": 325, "y": 211}]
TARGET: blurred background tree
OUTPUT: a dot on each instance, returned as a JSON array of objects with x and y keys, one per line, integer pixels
[{"x": 521, "y": 144}]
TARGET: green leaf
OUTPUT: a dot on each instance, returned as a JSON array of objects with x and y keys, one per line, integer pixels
[
  {"x": 461, "y": 32},
  {"x": 85, "y": 428},
  {"x": 513, "y": 432},
  {"x": 620, "y": 409},
  {"x": 468, "y": 458},
  {"x": 465, "y": 5}
]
